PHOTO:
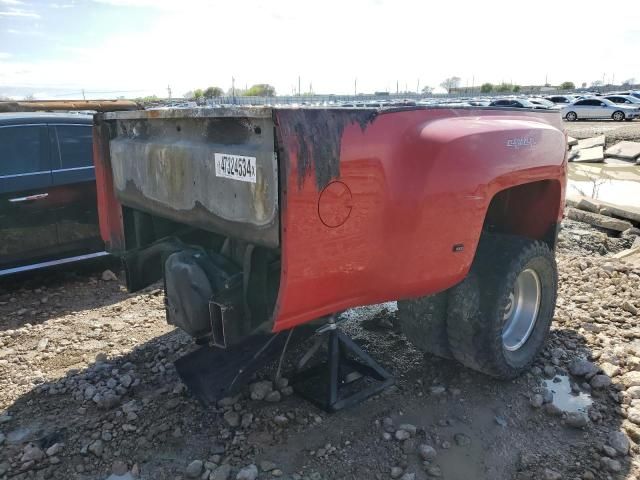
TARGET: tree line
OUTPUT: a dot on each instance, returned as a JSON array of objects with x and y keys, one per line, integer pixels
[{"x": 209, "y": 93}]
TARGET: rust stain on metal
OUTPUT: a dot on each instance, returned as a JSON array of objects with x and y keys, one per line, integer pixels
[
  {"x": 319, "y": 135},
  {"x": 228, "y": 131},
  {"x": 67, "y": 105}
]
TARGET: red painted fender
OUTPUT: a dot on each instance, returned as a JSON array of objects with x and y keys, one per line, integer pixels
[{"x": 407, "y": 216}]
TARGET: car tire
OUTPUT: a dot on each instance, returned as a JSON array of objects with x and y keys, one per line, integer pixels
[
  {"x": 498, "y": 318},
  {"x": 424, "y": 322},
  {"x": 618, "y": 116},
  {"x": 571, "y": 116}
]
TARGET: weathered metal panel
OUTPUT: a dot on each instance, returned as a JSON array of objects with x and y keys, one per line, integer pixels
[
  {"x": 67, "y": 105},
  {"x": 163, "y": 162},
  {"x": 182, "y": 113},
  {"x": 318, "y": 134},
  {"x": 109, "y": 210}
]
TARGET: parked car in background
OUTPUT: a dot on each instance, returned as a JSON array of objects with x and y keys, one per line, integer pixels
[
  {"x": 543, "y": 102},
  {"x": 48, "y": 205},
  {"x": 596, "y": 108},
  {"x": 479, "y": 102},
  {"x": 515, "y": 103},
  {"x": 631, "y": 93},
  {"x": 561, "y": 99},
  {"x": 624, "y": 100}
]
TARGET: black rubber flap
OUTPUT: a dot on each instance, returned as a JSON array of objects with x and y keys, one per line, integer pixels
[{"x": 211, "y": 373}]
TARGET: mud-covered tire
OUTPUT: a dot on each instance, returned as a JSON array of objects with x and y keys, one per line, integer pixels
[
  {"x": 477, "y": 306},
  {"x": 424, "y": 322}
]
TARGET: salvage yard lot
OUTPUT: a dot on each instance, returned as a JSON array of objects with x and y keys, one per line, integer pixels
[{"x": 87, "y": 389}]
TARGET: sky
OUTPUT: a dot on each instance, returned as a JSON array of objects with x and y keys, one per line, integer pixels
[{"x": 55, "y": 49}]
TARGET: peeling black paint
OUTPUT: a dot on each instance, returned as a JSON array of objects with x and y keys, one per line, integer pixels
[{"x": 319, "y": 135}]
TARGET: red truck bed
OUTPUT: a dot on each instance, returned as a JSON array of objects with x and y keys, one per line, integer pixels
[{"x": 360, "y": 205}]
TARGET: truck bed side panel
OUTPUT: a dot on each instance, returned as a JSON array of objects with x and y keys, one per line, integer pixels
[{"x": 394, "y": 207}]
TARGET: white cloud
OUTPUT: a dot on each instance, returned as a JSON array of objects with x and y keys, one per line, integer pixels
[
  {"x": 196, "y": 43},
  {"x": 15, "y": 31},
  {"x": 11, "y": 2},
  {"x": 4, "y": 55},
  {"x": 18, "y": 12}
]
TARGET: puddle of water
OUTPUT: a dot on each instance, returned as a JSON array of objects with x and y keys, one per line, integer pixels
[
  {"x": 20, "y": 434},
  {"x": 618, "y": 184},
  {"x": 564, "y": 398}
]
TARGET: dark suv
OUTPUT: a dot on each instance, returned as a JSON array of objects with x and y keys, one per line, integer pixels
[{"x": 48, "y": 208}]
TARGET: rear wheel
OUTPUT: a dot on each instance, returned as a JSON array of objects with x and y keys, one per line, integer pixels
[
  {"x": 499, "y": 316},
  {"x": 571, "y": 116},
  {"x": 618, "y": 116}
]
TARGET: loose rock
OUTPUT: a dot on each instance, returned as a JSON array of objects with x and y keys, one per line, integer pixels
[
  {"x": 194, "y": 469},
  {"x": 248, "y": 473},
  {"x": 427, "y": 452}
]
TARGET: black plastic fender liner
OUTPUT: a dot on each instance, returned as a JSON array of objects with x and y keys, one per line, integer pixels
[
  {"x": 143, "y": 266},
  {"x": 192, "y": 277},
  {"x": 187, "y": 294}
]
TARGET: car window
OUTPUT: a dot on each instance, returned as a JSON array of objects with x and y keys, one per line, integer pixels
[
  {"x": 582, "y": 102},
  {"x": 23, "y": 150},
  {"x": 75, "y": 143}
]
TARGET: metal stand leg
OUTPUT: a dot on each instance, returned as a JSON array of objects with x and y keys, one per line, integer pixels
[{"x": 347, "y": 377}]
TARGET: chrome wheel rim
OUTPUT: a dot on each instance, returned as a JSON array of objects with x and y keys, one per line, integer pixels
[
  {"x": 521, "y": 312},
  {"x": 617, "y": 116}
]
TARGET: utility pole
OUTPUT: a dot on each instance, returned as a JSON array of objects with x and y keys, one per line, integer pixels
[
  {"x": 299, "y": 85},
  {"x": 169, "y": 91},
  {"x": 310, "y": 88},
  {"x": 355, "y": 87},
  {"x": 397, "y": 87},
  {"x": 83, "y": 97},
  {"x": 233, "y": 90},
  {"x": 418, "y": 87},
  {"x": 473, "y": 83}
]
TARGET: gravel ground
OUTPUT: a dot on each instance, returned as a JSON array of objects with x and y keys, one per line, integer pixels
[
  {"x": 88, "y": 391},
  {"x": 614, "y": 131}
]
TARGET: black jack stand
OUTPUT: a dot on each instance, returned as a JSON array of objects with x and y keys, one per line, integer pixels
[{"x": 347, "y": 377}]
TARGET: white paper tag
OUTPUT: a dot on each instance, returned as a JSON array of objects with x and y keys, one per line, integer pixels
[{"x": 236, "y": 167}]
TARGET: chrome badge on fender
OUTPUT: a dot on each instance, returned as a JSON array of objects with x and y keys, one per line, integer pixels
[{"x": 521, "y": 142}]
